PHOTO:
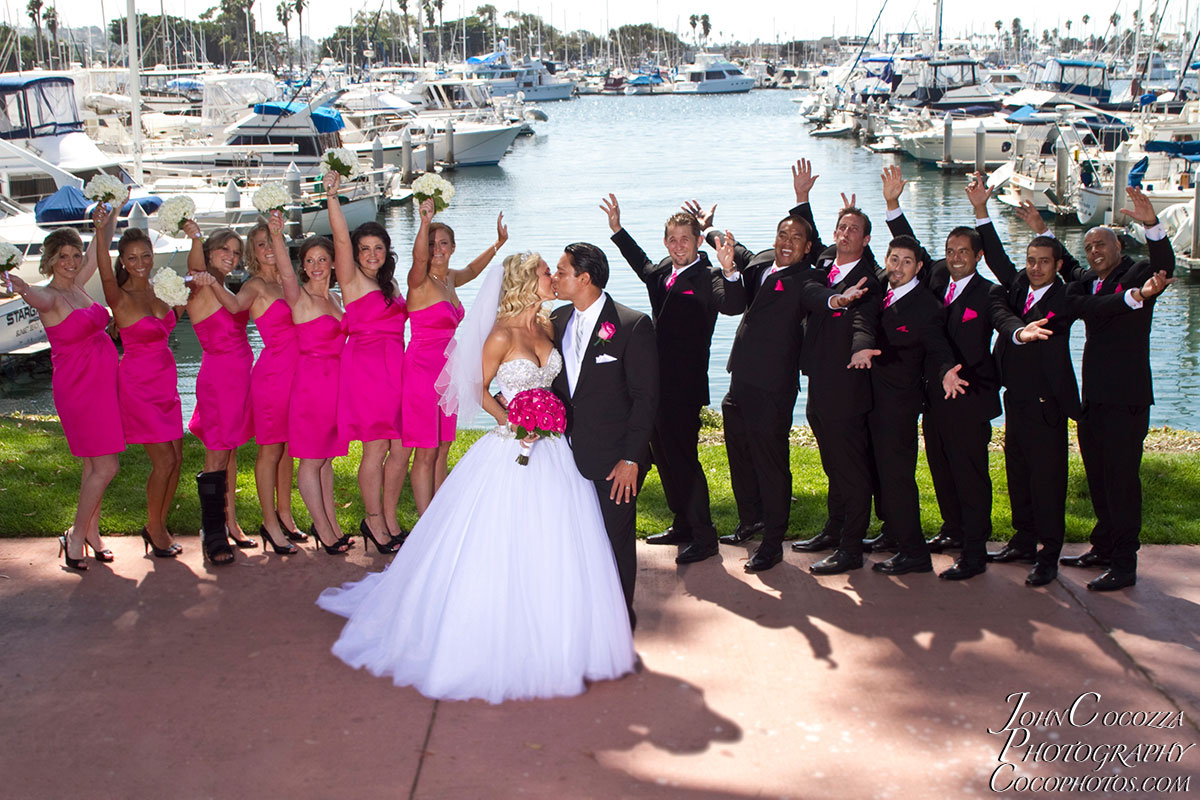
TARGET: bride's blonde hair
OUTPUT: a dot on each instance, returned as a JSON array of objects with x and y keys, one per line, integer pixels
[{"x": 518, "y": 289}]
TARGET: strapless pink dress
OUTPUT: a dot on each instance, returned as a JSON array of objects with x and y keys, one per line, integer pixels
[
  {"x": 147, "y": 382},
  {"x": 313, "y": 421},
  {"x": 222, "y": 418},
  {"x": 424, "y": 423},
  {"x": 371, "y": 370},
  {"x": 271, "y": 378},
  {"x": 84, "y": 384}
]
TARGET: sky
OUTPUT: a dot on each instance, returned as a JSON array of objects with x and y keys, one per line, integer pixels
[{"x": 746, "y": 20}]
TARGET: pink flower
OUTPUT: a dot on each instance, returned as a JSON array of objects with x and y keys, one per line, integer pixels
[{"x": 606, "y": 331}]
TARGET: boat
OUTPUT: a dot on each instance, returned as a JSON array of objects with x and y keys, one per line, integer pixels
[
  {"x": 531, "y": 77},
  {"x": 711, "y": 73},
  {"x": 647, "y": 84}
]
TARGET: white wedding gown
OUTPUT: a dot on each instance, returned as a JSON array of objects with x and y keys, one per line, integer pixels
[{"x": 507, "y": 587}]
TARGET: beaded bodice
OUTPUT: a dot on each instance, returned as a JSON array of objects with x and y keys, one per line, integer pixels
[{"x": 520, "y": 374}]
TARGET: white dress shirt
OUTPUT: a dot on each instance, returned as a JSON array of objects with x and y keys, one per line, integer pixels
[{"x": 576, "y": 345}]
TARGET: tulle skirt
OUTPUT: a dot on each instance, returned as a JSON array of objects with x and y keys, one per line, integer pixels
[{"x": 506, "y": 589}]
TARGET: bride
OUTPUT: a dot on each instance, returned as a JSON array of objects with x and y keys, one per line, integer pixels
[{"x": 507, "y": 587}]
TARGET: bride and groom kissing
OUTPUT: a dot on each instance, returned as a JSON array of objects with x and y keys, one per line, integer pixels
[{"x": 518, "y": 580}]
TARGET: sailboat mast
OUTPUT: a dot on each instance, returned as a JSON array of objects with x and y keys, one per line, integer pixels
[
  {"x": 134, "y": 57},
  {"x": 938, "y": 22}
]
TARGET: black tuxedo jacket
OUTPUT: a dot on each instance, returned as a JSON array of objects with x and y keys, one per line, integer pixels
[
  {"x": 912, "y": 343},
  {"x": 684, "y": 317},
  {"x": 1116, "y": 354},
  {"x": 969, "y": 321},
  {"x": 766, "y": 347},
  {"x": 611, "y": 414},
  {"x": 831, "y": 336}
]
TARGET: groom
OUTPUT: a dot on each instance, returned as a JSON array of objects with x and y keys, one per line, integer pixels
[{"x": 609, "y": 385}]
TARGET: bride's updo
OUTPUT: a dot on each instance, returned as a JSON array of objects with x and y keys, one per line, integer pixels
[{"x": 519, "y": 289}]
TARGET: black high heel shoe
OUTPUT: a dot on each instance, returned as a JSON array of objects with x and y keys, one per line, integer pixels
[
  {"x": 338, "y": 548},
  {"x": 105, "y": 556},
  {"x": 386, "y": 548},
  {"x": 74, "y": 563},
  {"x": 293, "y": 535},
  {"x": 242, "y": 544},
  {"x": 287, "y": 549},
  {"x": 159, "y": 552}
]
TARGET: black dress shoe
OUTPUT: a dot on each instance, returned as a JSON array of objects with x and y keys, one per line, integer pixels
[
  {"x": 902, "y": 564},
  {"x": 1112, "y": 580},
  {"x": 1089, "y": 559},
  {"x": 764, "y": 559},
  {"x": 883, "y": 543},
  {"x": 696, "y": 552},
  {"x": 1040, "y": 575},
  {"x": 839, "y": 561},
  {"x": 669, "y": 536},
  {"x": 825, "y": 540},
  {"x": 742, "y": 533},
  {"x": 943, "y": 542},
  {"x": 1009, "y": 554},
  {"x": 961, "y": 571}
]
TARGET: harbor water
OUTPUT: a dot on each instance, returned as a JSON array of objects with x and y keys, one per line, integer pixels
[{"x": 654, "y": 153}]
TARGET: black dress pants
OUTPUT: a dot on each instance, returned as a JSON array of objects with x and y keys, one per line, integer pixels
[
  {"x": 1035, "y": 460},
  {"x": 1110, "y": 441},
  {"x": 844, "y": 446},
  {"x": 757, "y": 425},
  {"x": 957, "y": 452},
  {"x": 675, "y": 445}
]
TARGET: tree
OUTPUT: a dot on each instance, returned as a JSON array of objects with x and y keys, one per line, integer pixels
[
  {"x": 283, "y": 12},
  {"x": 35, "y": 15},
  {"x": 299, "y": 6},
  {"x": 1016, "y": 34},
  {"x": 50, "y": 18},
  {"x": 694, "y": 20},
  {"x": 705, "y": 27}
]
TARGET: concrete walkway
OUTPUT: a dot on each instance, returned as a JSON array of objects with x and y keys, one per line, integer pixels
[{"x": 155, "y": 678}]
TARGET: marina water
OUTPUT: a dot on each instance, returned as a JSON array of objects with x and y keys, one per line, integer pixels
[{"x": 655, "y": 152}]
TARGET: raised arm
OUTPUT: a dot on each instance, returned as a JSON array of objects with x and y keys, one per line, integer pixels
[
  {"x": 634, "y": 255},
  {"x": 102, "y": 241},
  {"x": 344, "y": 266},
  {"x": 998, "y": 261},
  {"x": 283, "y": 260},
  {"x": 461, "y": 276},
  {"x": 734, "y": 297},
  {"x": 195, "y": 261},
  {"x": 104, "y": 222},
  {"x": 1162, "y": 255},
  {"x": 420, "y": 251}
]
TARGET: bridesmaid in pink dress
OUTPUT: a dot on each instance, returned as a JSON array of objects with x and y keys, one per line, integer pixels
[
  {"x": 222, "y": 418},
  {"x": 147, "y": 385},
  {"x": 434, "y": 312},
  {"x": 270, "y": 388},
  {"x": 313, "y": 425},
  {"x": 85, "y": 376},
  {"x": 371, "y": 368}
]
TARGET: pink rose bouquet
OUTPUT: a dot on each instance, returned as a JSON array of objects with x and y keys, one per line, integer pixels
[{"x": 536, "y": 412}]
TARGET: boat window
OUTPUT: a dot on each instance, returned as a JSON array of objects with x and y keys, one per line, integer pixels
[
  {"x": 734, "y": 72},
  {"x": 714, "y": 75},
  {"x": 12, "y": 115},
  {"x": 52, "y": 107}
]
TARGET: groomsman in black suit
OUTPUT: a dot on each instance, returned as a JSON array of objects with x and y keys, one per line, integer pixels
[
  {"x": 686, "y": 294},
  {"x": 609, "y": 385},
  {"x": 764, "y": 367},
  {"x": 1040, "y": 387},
  {"x": 1117, "y": 391},
  {"x": 958, "y": 431},
  {"x": 909, "y": 342}
]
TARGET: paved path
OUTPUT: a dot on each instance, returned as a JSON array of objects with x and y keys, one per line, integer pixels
[{"x": 164, "y": 679}]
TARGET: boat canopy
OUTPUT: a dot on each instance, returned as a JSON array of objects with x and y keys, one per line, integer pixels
[
  {"x": 1076, "y": 76},
  {"x": 325, "y": 119},
  {"x": 42, "y": 105},
  {"x": 1188, "y": 150}
]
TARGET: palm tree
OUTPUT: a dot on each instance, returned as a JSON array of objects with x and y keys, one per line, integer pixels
[
  {"x": 438, "y": 5},
  {"x": 705, "y": 27},
  {"x": 35, "y": 15},
  {"x": 694, "y": 20},
  {"x": 299, "y": 6},
  {"x": 50, "y": 18},
  {"x": 283, "y": 12},
  {"x": 404, "y": 23}
]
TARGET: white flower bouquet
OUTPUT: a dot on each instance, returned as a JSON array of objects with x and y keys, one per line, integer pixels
[
  {"x": 170, "y": 287},
  {"x": 272, "y": 196},
  {"x": 10, "y": 257},
  {"x": 106, "y": 189},
  {"x": 431, "y": 185},
  {"x": 174, "y": 212},
  {"x": 341, "y": 160}
]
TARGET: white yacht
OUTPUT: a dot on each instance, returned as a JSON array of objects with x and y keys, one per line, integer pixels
[
  {"x": 711, "y": 73},
  {"x": 529, "y": 77}
]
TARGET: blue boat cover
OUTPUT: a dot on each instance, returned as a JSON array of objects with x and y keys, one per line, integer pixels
[
  {"x": 66, "y": 205},
  {"x": 149, "y": 204},
  {"x": 326, "y": 120}
]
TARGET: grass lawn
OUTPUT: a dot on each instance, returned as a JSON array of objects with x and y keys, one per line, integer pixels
[{"x": 39, "y": 482}]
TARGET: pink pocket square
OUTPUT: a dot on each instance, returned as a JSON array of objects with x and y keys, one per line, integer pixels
[
  {"x": 779, "y": 286},
  {"x": 903, "y": 329},
  {"x": 1049, "y": 314},
  {"x": 837, "y": 313},
  {"x": 1117, "y": 290},
  {"x": 688, "y": 291},
  {"x": 969, "y": 314}
]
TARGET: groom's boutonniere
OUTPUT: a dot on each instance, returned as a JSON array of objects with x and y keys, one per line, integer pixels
[{"x": 604, "y": 334}]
